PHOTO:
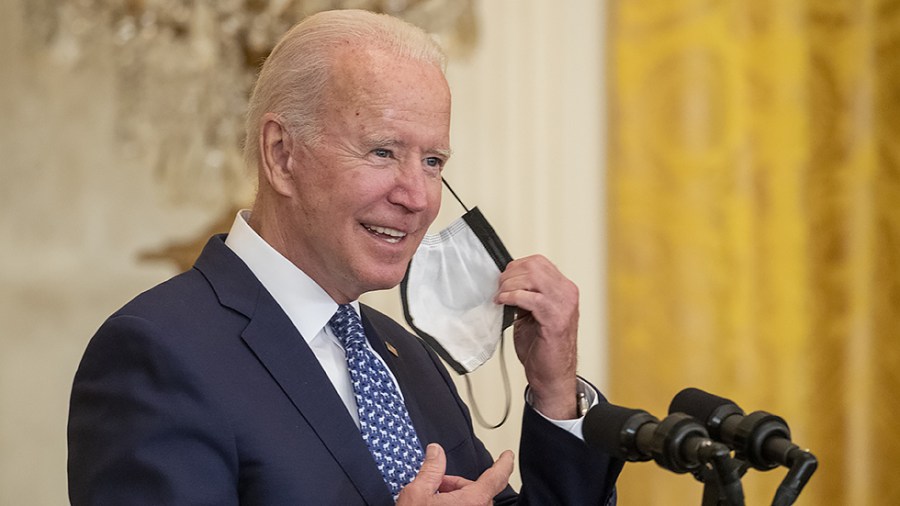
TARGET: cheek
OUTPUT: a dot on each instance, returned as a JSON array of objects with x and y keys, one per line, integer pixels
[{"x": 434, "y": 198}]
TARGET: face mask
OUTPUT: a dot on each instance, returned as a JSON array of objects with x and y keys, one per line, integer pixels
[{"x": 449, "y": 287}]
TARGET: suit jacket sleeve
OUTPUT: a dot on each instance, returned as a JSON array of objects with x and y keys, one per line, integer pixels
[
  {"x": 142, "y": 428},
  {"x": 556, "y": 467},
  {"x": 559, "y": 468}
]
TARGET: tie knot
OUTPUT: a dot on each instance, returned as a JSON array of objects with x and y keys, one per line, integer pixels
[{"x": 347, "y": 326}]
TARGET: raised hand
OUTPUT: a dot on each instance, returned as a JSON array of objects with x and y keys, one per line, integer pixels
[
  {"x": 431, "y": 487},
  {"x": 545, "y": 332}
]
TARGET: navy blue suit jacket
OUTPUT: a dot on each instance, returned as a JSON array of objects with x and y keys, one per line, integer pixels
[{"x": 201, "y": 391}]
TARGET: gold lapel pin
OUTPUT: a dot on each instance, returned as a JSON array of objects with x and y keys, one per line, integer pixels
[{"x": 391, "y": 349}]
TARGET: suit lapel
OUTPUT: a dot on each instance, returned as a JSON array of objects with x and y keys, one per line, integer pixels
[{"x": 279, "y": 347}]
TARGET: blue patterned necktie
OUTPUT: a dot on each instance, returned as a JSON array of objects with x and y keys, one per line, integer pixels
[{"x": 383, "y": 419}]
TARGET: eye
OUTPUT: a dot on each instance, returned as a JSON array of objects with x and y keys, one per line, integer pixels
[
  {"x": 433, "y": 161},
  {"x": 383, "y": 153}
]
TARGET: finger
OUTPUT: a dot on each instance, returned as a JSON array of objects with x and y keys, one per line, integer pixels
[
  {"x": 433, "y": 467},
  {"x": 541, "y": 278},
  {"x": 533, "y": 279},
  {"x": 522, "y": 282},
  {"x": 451, "y": 483},
  {"x": 526, "y": 300},
  {"x": 428, "y": 479},
  {"x": 526, "y": 275},
  {"x": 496, "y": 477},
  {"x": 529, "y": 265},
  {"x": 550, "y": 303},
  {"x": 551, "y": 312}
]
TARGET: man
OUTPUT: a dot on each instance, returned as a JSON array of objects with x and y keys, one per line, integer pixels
[{"x": 240, "y": 382}]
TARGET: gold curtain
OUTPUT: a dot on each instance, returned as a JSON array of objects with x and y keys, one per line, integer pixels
[{"x": 754, "y": 228}]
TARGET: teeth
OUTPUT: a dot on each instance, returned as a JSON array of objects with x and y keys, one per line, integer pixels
[
  {"x": 393, "y": 234},
  {"x": 387, "y": 231}
]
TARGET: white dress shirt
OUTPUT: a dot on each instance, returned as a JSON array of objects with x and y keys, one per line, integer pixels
[
  {"x": 310, "y": 308},
  {"x": 307, "y": 305}
]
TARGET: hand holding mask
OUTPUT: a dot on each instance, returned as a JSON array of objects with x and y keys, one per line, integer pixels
[
  {"x": 448, "y": 297},
  {"x": 451, "y": 300}
]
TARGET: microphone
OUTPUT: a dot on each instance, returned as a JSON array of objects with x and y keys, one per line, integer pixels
[
  {"x": 760, "y": 438},
  {"x": 678, "y": 443},
  {"x": 635, "y": 435}
]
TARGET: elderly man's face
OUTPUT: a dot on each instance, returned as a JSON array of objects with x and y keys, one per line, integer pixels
[{"x": 368, "y": 191}]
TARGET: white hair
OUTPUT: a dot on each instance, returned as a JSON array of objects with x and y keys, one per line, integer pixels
[{"x": 293, "y": 79}]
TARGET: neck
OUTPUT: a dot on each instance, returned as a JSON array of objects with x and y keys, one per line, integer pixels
[{"x": 266, "y": 221}]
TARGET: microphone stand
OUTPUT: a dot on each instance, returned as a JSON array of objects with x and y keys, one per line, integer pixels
[
  {"x": 764, "y": 441},
  {"x": 803, "y": 465},
  {"x": 681, "y": 445},
  {"x": 722, "y": 477}
]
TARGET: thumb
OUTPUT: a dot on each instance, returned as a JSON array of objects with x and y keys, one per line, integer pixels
[
  {"x": 433, "y": 467},
  {"x": 428, "y": 479}
]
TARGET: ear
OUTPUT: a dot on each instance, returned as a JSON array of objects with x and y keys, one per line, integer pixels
[{"x": 275, "y": 148}]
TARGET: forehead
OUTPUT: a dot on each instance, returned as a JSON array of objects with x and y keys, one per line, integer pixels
[{"x": 367, "y": 76}]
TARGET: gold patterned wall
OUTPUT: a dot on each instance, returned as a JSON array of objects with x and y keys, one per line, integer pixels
[{"x": 754, "y": 228}]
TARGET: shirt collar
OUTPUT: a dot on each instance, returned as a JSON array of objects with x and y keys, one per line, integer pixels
[{"x": 307, "y": 305}]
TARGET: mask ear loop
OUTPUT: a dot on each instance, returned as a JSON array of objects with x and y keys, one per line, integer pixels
[
  {"x": 454, "y": 194},
  {"x": 504, "y": 373},
  {"x": 506, "y": 391}
]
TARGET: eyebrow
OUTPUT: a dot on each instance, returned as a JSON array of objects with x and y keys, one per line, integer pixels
[
  {"x": 443, "y": 152},
  {"x": 390, "y": 141}
]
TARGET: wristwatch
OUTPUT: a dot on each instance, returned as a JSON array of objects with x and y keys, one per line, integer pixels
[{"x": 581, "y": 402}]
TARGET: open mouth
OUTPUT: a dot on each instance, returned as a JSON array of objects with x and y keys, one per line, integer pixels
[{"x": 386, "y": 234}]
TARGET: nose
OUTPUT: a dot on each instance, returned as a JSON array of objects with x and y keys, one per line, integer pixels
[{"x": 412, "y": 188}]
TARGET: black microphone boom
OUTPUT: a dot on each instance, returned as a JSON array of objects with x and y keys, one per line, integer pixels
[
  {"x": 678, "y": 443},
  {"x": 760, "y": 438}
]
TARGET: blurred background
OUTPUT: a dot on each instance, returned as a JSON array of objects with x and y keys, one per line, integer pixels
[{"x": 720, "y": 177}]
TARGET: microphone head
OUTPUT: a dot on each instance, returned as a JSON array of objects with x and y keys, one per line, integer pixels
[
  {"x": 613, "y": 430},
  {"x": 711, "y": 410},
  {"x": 697, "y": 403}
]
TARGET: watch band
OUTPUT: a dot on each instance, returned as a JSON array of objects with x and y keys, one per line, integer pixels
[{"x": 581, "y": 403}]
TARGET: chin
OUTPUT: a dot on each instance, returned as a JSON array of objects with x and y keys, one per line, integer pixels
[{"x": 384, "y": 280}]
